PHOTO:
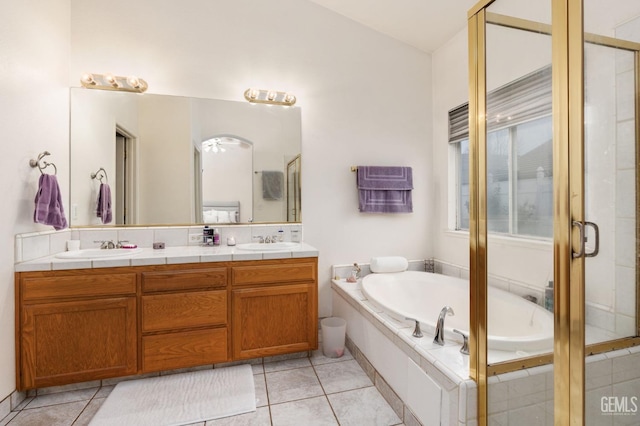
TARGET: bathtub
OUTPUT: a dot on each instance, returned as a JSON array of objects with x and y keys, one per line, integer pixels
[{"x": 514, "y": 323}]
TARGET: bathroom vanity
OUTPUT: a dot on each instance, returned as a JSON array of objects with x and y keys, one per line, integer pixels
[{"x": 76, "y": 325}]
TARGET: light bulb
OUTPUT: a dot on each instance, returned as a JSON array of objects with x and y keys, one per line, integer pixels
[
  {"x": 289, "y": 98},
  {"x": 87, "y": 78},
  {"x": 109, "y": 78},
  {"x": 253, "y": 93},
  {"x": 271, "y": 95},
  {"x": 133, "y": 81}
]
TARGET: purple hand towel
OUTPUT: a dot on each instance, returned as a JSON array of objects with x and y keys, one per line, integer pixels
[
  {"x": 48, "y": 203},
  {"x": 103, "y": 206},
  {"x": 385, "y": 189}
]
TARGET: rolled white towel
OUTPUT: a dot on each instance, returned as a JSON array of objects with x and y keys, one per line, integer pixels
[{"x": 389, "y": 264}]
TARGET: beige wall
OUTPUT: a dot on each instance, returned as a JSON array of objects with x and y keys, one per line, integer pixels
[
  {"x": 34, "y": 117},
  {"x": 364, "y": 97}
]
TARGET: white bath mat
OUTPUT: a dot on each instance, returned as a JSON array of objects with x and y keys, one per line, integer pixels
[{"x": 179, "y": 399}]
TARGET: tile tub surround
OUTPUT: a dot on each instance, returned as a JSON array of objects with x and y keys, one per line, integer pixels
[
  {"x": 295, "y": 389},
  {"x": 36, "y": 251},
  {"x": 602, "y": 324},
  {"x": 520, "y": 397},
  {"x": 386, "y": 349}
]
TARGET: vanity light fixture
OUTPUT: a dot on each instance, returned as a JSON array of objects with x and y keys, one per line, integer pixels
[
  {"x": 260, "y": 96},
  {"x": 113, "y": 82}
]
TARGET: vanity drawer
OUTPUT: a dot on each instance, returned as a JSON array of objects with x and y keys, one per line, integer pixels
[
  {"x": 86, "y": 285},
  {"x": 185, "y": 349},
  {"x": 275, "y": 273},
  {"x": 183, "y": 310},
  {"x": 184, "y": 280}
]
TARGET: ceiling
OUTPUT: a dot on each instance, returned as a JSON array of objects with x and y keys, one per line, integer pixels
[{"x": 424, "y": 24}]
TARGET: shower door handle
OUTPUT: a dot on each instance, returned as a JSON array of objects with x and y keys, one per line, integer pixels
[
  {"x": 596, "y": 249},
  {"x": 580, "y": 226},
  {"x": 583, "y": 239}
]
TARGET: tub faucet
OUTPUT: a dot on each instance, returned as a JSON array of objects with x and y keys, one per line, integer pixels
[
  {"x": 439, "y": 337},
  {"x": 416, "y": 331},
  {"x": 106, "y": 245},
  {"x": 465, "y": 341}
]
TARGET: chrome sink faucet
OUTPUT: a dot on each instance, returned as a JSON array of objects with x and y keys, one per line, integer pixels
[
  {"x": 106, "y": 244},
  {"x": 439, "y": 337}
]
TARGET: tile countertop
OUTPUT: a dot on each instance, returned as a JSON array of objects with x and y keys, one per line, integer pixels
[{"x": 169, "y": 255}]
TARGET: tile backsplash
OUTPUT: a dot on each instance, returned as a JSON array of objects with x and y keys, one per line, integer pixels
[{"x": 34, "y": 245}]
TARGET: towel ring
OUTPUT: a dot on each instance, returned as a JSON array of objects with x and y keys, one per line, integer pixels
[
  {"x": 100, "y": 177},
  {"x": 45, "y": 164}
]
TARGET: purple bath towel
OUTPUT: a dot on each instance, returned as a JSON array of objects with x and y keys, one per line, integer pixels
[
  {"x": 49, "y": 209},
  {"x": 385, "y": 189},
  {"x": 103, "y": 206}
]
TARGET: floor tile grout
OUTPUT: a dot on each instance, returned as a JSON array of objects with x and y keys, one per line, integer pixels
[
  {"x": 325, "y": 394},
  {"x": 266, "y": 375}
]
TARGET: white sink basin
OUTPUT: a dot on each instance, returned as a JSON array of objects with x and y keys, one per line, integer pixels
[
  {"x": 268, "y": 246},
  {"x": 98, "y": 253}
]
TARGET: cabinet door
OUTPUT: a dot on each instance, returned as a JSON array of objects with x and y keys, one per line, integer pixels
[
  {"x": 274, "y": 320},
  {"x": 78, "y": 341}
]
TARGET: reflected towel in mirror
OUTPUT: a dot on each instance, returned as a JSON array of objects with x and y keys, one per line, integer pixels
[
  {"x": 272, "y": 184},
  {"x": 103, "y": 205}
]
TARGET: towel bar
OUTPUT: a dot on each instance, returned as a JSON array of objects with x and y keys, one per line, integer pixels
[
  {"x": 36, "y": 163},
  {"x": 103, "y": 175}
]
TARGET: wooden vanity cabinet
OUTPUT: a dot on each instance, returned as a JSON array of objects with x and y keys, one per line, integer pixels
[
  {"x": 185, "y": 319},
  {"x": 91, "y": 324},
  {"x": 275, "y": 307},
  {"x": 75, "y": 326}
]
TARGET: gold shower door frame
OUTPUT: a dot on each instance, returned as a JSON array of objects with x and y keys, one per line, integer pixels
[{"x": 569, "y": 352}]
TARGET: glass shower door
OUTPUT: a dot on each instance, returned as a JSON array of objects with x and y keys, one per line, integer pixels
[
  {"x": 610, "y": 196},
  {"x": 519, "y": 205}
]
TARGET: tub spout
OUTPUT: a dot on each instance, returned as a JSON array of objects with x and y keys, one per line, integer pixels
[{"x": 439, "y": 338}]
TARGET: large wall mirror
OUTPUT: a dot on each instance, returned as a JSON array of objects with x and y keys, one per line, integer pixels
[{"x": 174, "y": 160}]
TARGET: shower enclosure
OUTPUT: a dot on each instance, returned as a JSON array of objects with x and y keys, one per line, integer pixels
[{"x": 553, "y": 157}]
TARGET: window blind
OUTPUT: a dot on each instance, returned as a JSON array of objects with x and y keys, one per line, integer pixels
[
  {"x": 459, "y": 123},
  {"x": 519, "y": 101}
]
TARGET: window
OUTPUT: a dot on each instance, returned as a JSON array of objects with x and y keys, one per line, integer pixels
[{"x": 519, "y": 158}]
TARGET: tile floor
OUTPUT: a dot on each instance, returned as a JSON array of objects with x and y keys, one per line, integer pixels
[{"x": 313, "y": 390}]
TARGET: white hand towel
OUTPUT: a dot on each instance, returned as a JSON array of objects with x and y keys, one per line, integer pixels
[{"x": 389, "y": 264}]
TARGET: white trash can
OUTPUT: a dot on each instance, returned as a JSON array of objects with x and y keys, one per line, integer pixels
[{"x": 333, "y": 332}]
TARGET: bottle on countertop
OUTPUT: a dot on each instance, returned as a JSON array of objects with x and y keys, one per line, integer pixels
[
  {"x": 216, "y": 237},
  {"x": 207, "y": 235},
  {"x": 355, "y": 273},
  {"x": 548, "y": 297}
]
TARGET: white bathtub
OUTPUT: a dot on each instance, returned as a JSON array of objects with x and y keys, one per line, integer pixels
[{"x": 514, "y": 324}]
